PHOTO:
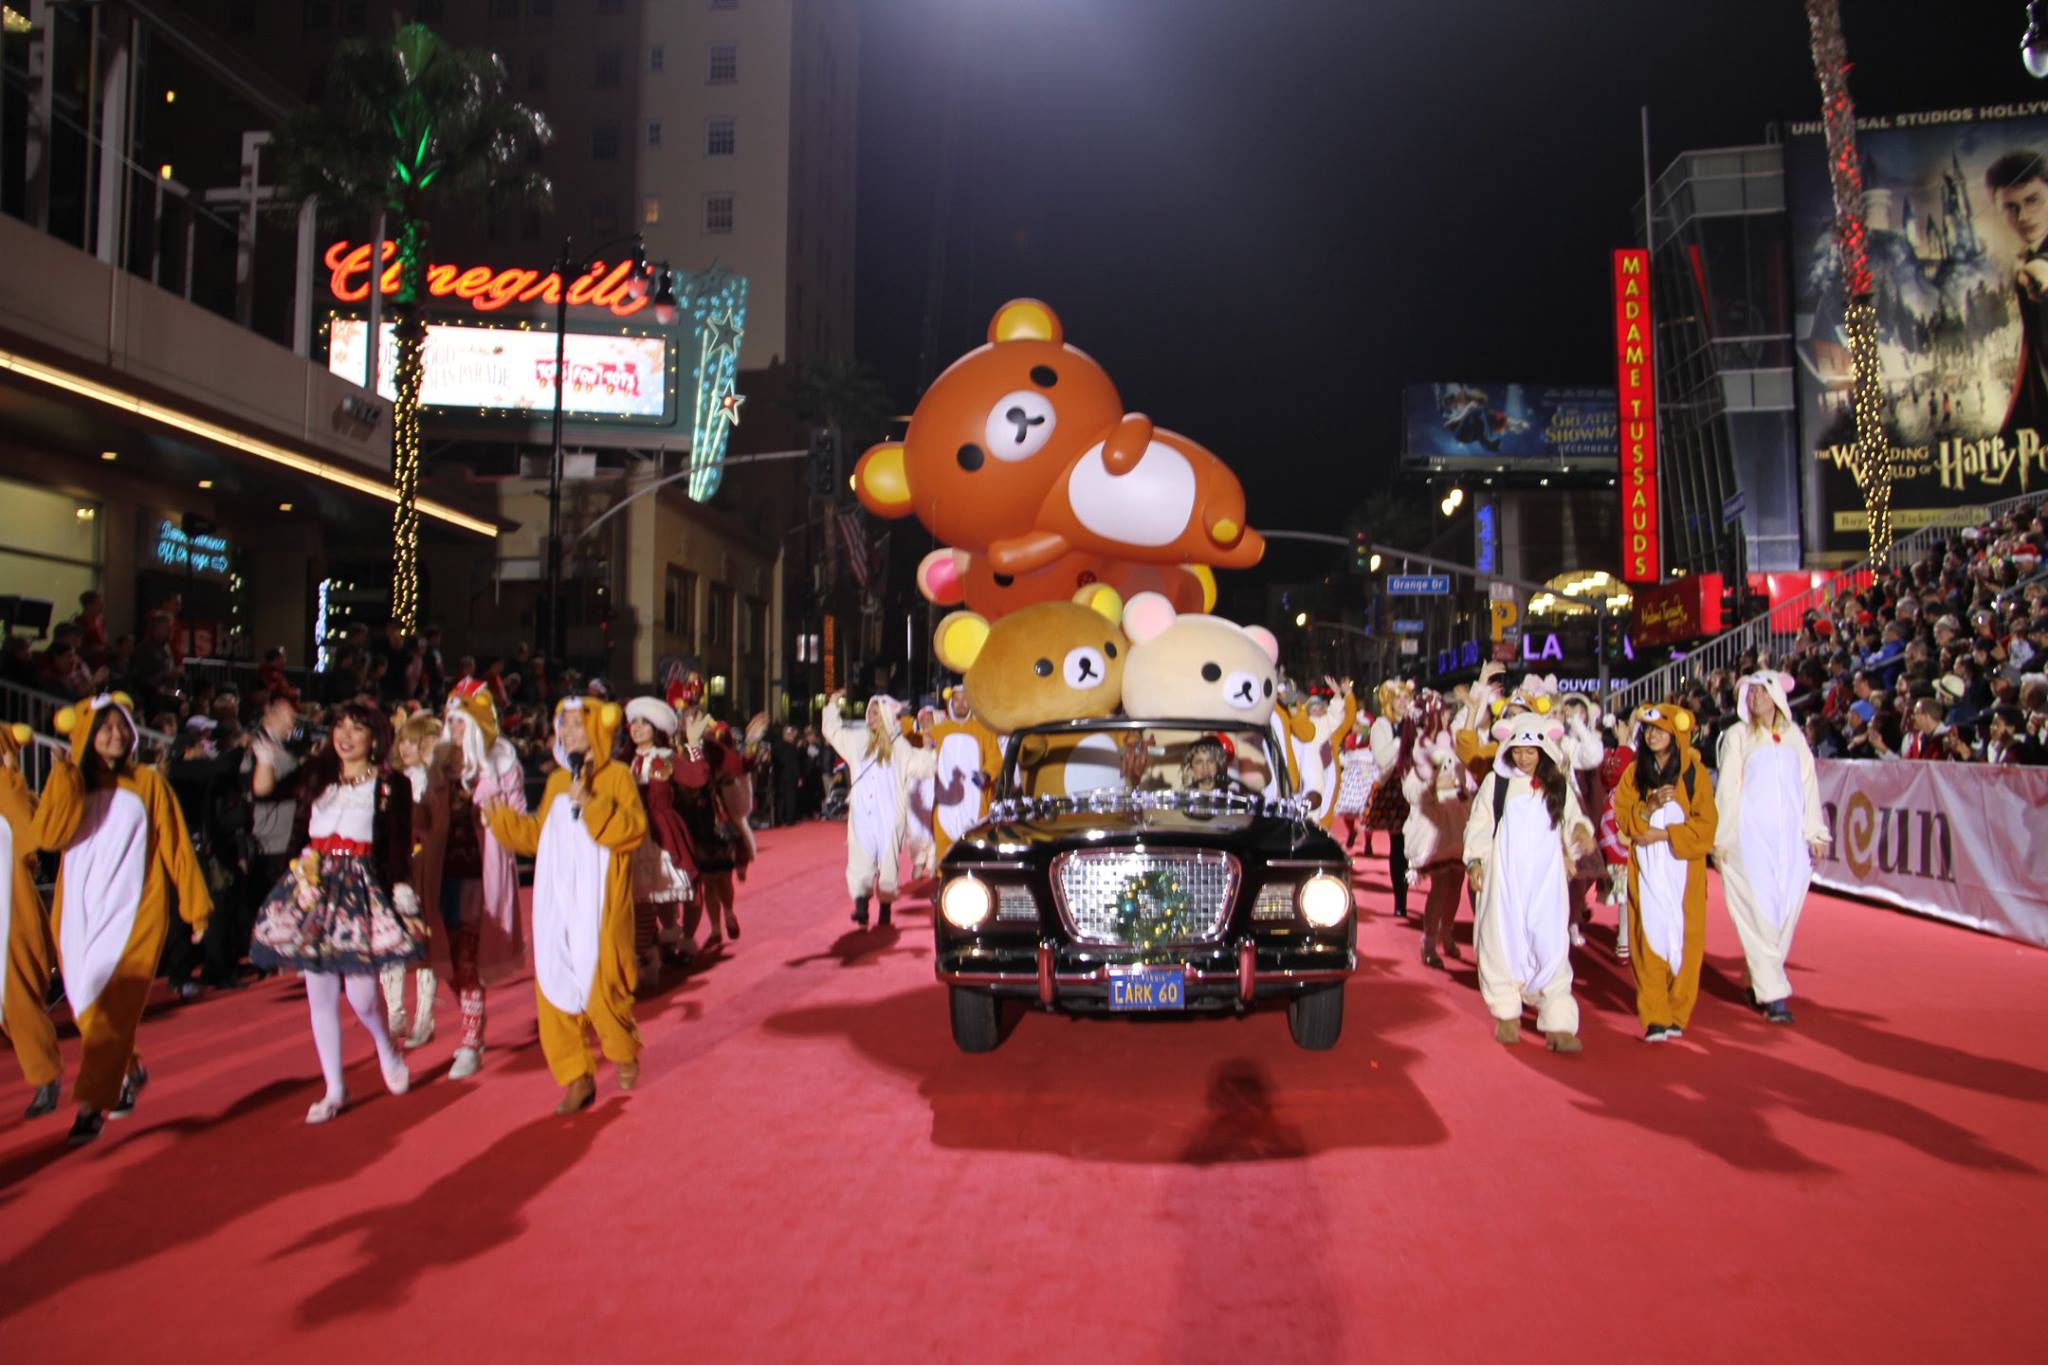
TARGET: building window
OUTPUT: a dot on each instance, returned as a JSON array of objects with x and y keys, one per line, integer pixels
[
  {"x": 718, "y": 213},
  {"x": 537, "y": 70},
  {"x": 652, "y": 213},
  {"x": 604, "y": 68},
  {"x": 721, "y": 136},
  {"x": 654, "y": 132},
  {"x": 725, "y": 63},
  {"x": 604, "y": 214},
  {"x": 717, "y": 618},
  {"x": 679, "y": 603},
  {"x": 655, "y": 56},
  {"x": 604, "y": 142}
]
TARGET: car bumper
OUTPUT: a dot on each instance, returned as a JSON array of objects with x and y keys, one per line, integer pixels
[{"x": 1226, "y": 974}]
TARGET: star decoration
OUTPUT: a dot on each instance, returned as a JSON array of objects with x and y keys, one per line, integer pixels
[{"x": 729, "y": 406}]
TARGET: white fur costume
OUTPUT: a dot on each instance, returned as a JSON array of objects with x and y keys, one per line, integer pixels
[
  {"x": 1522, "y": 929},
  {"x": 1769, "y": 800},
  {"x": 879, "y": 796}
]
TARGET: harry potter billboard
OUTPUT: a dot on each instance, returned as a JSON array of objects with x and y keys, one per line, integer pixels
[{"x": 1956, "y": 202}]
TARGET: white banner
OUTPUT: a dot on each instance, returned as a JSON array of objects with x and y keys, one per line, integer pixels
[
  {"x": 1960, "y": 841},
  {"x": 504, "y": 369}
]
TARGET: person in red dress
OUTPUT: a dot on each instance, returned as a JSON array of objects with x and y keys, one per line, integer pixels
[
  {"x": 713, "y": 794},
  {"x": 663, "y": 871}
]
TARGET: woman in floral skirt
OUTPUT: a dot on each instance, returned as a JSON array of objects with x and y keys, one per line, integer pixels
[{"x": 345, "y": 909}]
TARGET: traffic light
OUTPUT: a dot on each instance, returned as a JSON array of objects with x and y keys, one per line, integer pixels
[
  {"x": 1614, "y": 645},
  {"x": 1363, "y": 560},
  {"x": 825, "y": 480}
]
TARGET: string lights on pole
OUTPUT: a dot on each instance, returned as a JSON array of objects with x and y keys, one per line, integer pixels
[{"x": 1871, "y": 454}]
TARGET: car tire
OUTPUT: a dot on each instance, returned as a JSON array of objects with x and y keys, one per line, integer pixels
[
  {"x": 1315, "y": 1018},
  {"x": 977, "y": 1026}
]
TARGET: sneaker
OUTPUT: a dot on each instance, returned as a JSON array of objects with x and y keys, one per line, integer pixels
[
  {"x": 1777, "y": 1012},
  {"x": 44, "y": 1101},
  {"x": 1656, "y": 1033},
  {"x": 1674, "y": 1033},
  {"x": 188, "y": 991},
  {"x": 1621, "y": 952},
  {"x": 86, "y": 1127},
  {"x": 468, "y": 1061}
]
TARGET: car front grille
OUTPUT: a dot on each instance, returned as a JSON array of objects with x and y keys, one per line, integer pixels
[{"x": 1137, "y": 898}]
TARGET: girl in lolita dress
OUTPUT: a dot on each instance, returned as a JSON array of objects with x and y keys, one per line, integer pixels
[
  {"x": 345, "y": 909},
  {"x": 661, "y": 864}
]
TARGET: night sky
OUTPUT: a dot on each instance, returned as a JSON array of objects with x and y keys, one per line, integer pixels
[{"x": 1265, "y": 216}]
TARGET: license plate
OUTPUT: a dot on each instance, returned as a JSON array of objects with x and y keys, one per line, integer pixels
[{"x": 1148, "y": 988}]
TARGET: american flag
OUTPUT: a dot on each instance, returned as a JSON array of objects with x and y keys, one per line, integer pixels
[{"x": 860, "y": 556}]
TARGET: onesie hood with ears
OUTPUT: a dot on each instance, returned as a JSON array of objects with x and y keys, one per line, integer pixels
[
  {"x": 1777, "y": 685},
  {"x": 1528, "y": 729},
  {"x": 601, "y": 720},
  {"x": 82, "y": 719}
]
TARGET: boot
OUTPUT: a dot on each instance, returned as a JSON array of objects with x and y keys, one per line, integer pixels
[
  {"x": 577, "y": 1094},
  {"x": 1563, "y": 1042},
  {"x": 43, "y": 1102},
  {"x": 860, "y": 911},
  {"x": 882, "y": 920},
  {"x": 392, "y": 978},
  {"x": 131, "y": 1090},
  {"x": 423, "y": 1011},
  {"x": 1507, "y": 1031}
]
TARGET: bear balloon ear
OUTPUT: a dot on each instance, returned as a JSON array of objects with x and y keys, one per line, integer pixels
[
  {"x": 940, "y": 578},
  {"x": 1502, "y": 729},
  {"x": 1103, "y": 599},
  {"x": 1265, "y": 640},
  {"x": 881, "y": 481},
  {"x": 1025, "y": 320},
  {"x": 1147, "y": 616},
  {"x": 959, "y": 639}
]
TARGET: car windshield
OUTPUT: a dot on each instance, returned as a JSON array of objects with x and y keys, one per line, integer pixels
[{"x": 1113, "y": 764}]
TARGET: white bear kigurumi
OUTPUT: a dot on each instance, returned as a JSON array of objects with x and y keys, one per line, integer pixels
[{"x": 1196, "y": 667}]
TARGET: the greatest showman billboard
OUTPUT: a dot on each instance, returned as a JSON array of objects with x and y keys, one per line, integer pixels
[
  {"x": 1956, "y": 202},
  {"x": 1464, "y": 423}
]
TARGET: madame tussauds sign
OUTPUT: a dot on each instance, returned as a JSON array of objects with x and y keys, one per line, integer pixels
[
  {"x": 487, "y": 289},
  {"x": 1951, "y": 840}
]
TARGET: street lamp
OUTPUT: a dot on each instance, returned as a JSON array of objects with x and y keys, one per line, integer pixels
[
  {"x": 1301, "y": 618},
  {"x": 645, "y": 276},
  {"x": 2033, "y": 46}
]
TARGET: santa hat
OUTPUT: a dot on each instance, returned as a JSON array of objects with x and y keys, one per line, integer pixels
[{"x": 655, "y": 712}]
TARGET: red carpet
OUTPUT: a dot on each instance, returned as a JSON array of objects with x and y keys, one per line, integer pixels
[{"x": 811, "y": 1172}]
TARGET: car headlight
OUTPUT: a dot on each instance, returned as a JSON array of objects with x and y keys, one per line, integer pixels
[
  {"x": 965, "y": 902},
  {"x": 1325, "y": 900}
]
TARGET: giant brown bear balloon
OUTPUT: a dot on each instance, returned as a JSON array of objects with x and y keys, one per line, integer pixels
[{"x": 1022, "y": 457}]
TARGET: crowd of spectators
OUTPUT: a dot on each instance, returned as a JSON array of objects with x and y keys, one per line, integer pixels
[{"x": 1941, "y": 658}]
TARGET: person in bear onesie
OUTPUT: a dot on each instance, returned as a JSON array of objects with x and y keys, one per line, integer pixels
[
  {"x": 1186, "y": 666},
  {"x": 1050, "y": 662}
]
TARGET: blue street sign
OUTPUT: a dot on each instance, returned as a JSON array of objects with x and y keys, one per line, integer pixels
[
  {"x": 1733, "y": 506},
  {"x": 1407, "y": 627},
  {"x": 1419, "y": 584}
]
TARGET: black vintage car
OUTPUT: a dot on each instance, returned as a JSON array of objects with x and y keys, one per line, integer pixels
[{"x": 1173, "y": 870}]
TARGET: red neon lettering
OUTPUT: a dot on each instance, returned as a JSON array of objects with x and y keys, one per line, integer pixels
[{"x": 485, "y": 288}]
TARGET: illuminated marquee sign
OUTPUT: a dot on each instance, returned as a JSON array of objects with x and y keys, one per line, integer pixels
[
  {"x": 485, "y": 288},
  {"x": 172, "y": 548},
  {"x": 505, "y": 369},
  {"x": 1641, "y": 557}
]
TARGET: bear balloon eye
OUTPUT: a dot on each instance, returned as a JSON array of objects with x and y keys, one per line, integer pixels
[
  {"x": 1210, "y": 673},
  {"x": 1084, "y": 668},
  {"x": 970, "y": 457},
  {"x": 1019, "y": 425},
  {"x": 1045, "y": 376},
  {"x": 1043, "y": 668},
  {"x": 1269, "y": 687},
  {"x": 1109, "y": 648},
  {"x": 1241, "y": 690}
]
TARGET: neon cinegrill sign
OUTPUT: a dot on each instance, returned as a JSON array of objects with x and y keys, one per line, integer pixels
[{"x": 485, "y": 288}]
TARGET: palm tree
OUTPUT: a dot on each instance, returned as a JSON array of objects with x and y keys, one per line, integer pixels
[{"x": 409, "y": 127}]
